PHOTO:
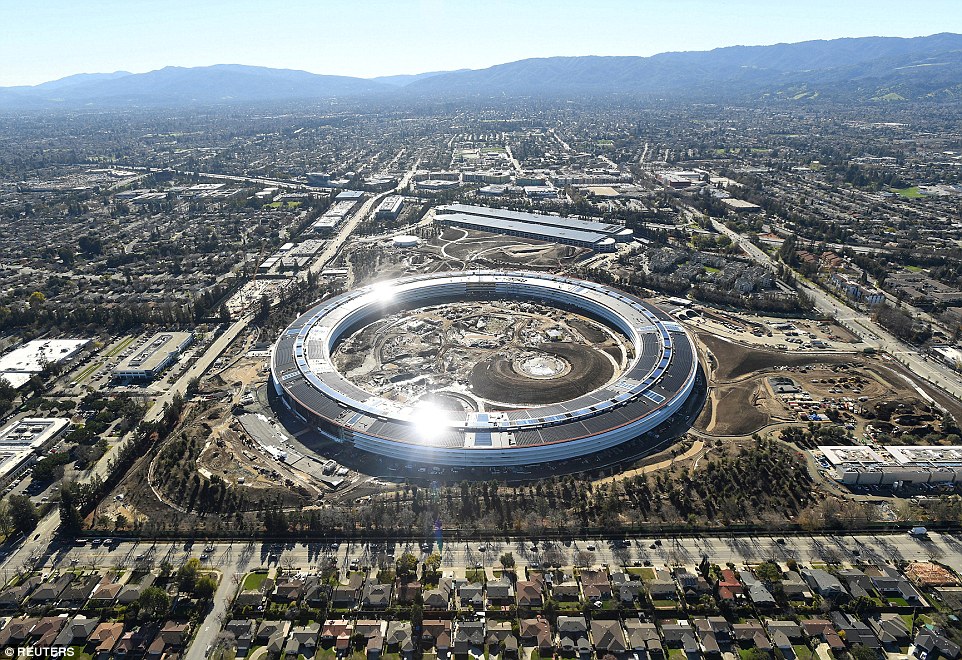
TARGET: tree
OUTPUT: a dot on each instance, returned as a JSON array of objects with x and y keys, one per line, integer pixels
[
  {"x": 860, "y": 652},
  {"x": 70, "y": 519},
  {"x": 154, "y": 600},
  {"x": 704, "y": 568},
  {"x": 205, "y": 587},
  {"x": 7, "y": 395},
  {"x": 407, "y": 565},
  {"x": 187, "y": 574},
  {"x": 756, "y": 653},
  {"x": 433, "y": 561},
  {"x": 507, "y": 560},
  {"x": 23, "y": 513},
  {"x": 584, "y": 558},
  {"x": 90, "y": 244},
  {"x": 949, "y": 424},
  {"x": 263, "y": 310},
  {"x": 768, "y": 572},
  {"x": 6, "y": 521}
]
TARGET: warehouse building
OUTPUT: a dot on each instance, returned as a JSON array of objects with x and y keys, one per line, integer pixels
[
  {"x": 740, "y": 205},
  {"x": 20, "y": 364},
  {"x": 21, "y": 442},
  {"x": 319, "y": 179},
  {"x": 334, "y": 216},
  {"x": 895, "y": 465}
]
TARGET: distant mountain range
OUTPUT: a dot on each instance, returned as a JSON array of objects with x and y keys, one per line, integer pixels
[{"x": 862, "y": 69}]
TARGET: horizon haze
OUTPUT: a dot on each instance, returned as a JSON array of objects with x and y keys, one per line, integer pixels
[{"x": 377, "y": 39}]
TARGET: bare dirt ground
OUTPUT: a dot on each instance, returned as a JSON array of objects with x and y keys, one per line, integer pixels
[
  {"x": 477, "y": 248},
  {"x": 735, "y": 360},
  {"x": 737, "y": 410},
  {"x": 482, "y": 348},
  {"x": 855, "y": 390},
  {"x": 491, "y": 379}
]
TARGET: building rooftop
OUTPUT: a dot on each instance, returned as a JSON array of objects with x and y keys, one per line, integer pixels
[
  {"x": 19, "y": 364},
  {"x": 661, "y": 373},
  {"x": 154, "y": 351},
  {"x": 549, "y": 232},
  {"x": 547, "y": 220}
]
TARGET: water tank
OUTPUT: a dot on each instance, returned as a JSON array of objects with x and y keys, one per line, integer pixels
[{"x": 406, "y": 241}]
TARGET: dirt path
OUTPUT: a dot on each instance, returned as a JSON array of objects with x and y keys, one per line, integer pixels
[{"x": 693, "y": 451}]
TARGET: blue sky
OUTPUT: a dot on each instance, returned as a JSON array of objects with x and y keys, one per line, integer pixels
[{"x": 43, "y": 40}]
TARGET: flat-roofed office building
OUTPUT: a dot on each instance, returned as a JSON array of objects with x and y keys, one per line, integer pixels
[{"x": 153, "y": 357}]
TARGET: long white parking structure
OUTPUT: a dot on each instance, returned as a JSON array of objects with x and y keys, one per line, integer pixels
[{"x": 655, "y": 385}]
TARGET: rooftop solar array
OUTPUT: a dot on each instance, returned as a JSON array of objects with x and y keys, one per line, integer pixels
[
  {"x": 656, "y": 380},
  {"x": 502, "y": 225},
  {"x": 546, "y": 220}
]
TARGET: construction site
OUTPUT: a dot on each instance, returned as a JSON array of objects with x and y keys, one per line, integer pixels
[{"x": 476, "y": 356}]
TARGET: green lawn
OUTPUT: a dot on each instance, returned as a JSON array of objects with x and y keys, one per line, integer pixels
[
  {"x": 909, "y": 193},
  {"x": 677, "y": 654},
  {"x": 802, "y": 652},
  {"x": 82, "y": 376},
  {"x": 325, "y": 654},
  {"x": 254, "y": 581},
  {"x": 290, "y": 205},
  {"x": 224, "y": 654},
  {"x": 665, "y": 604},
  {"x": 899, "y": 602},
  {"x": 568, "y": 606},
  {"x": 79, "y": 653},
  {"x": 474, "y": 575},
  {"x": 645, "y": 572},
  {"x": 907, "y": 620},
  {"x": 124, "y": 343}
]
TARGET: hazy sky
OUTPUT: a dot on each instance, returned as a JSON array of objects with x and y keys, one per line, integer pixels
[{"x": 43, "y": 40}]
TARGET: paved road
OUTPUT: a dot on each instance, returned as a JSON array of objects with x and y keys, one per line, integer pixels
[
  {"x": 37, "y": 542},
  {"x": 233, "y": 564},
  {"x": 347, "y": 229},
  {"x": 212, "y": 623},
  {"x": 232, "y": 558},
  {"x": 514, "y": 161},
  {"x": 277, "y": 183},
  {"x": 861, "y": 324},
  {"x": 196, "y": 370}
]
